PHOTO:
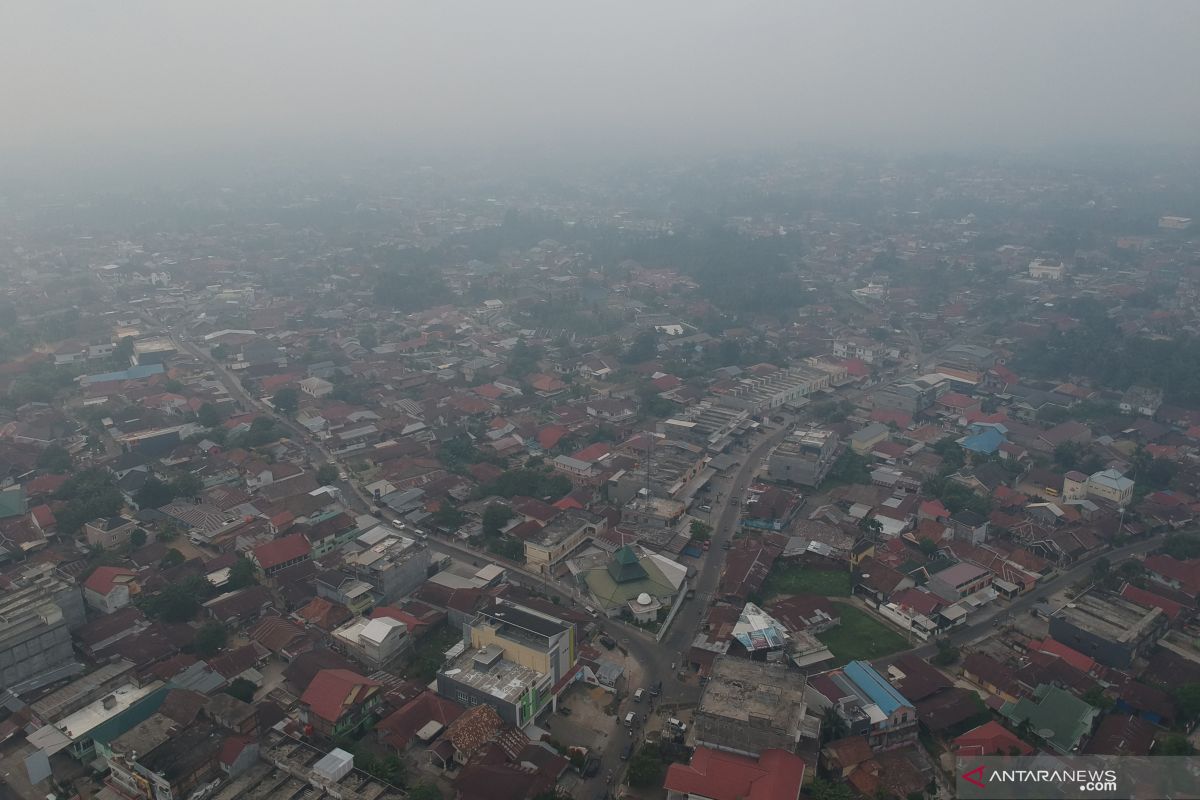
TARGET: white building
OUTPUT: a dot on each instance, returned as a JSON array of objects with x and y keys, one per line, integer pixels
[
  {"x": 1044, "y": 269},
  {"x": 316, "y": 387},
  {"x": 1112, "y": 486}
]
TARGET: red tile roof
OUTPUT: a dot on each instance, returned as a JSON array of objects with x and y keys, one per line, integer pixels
[
  {"x": 281, "y": 551},
  {"x": 989, "y": 739},
  {"x": 43, "y": 516},
  {"x": 775, "y": 775},
  {"x": 592, "y": 452},
  {"x": 398, "y": 729},
  {"x": 1148, "y": 599},
  {"x": 332, "y": 691},
  {"x": 104, "y": 579},
  {"x": 1073, "y": 657},
  {"x": 550, "y": 435},
  {"x": 1186, "y": 573}
]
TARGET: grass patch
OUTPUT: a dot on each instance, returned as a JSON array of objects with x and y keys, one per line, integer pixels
[
  {"x": 785, "y": 580},
  {"x": 860, "y": 637}
]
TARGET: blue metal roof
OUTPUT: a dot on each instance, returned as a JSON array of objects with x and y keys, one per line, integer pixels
[
  {"x": 874, "y": 686},
  {"x": 131, "y": 374}
]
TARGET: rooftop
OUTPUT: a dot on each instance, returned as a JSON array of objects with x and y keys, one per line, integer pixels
[
  {"x": 88, "y": 718},
  {"x": 752, "y": 691},
  {"x": 504, "y": 679},
  {"x": 1114, "y": 618}
]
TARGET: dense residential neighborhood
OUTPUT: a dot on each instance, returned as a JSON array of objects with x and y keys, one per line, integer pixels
[{"x": 505, "y": 500}]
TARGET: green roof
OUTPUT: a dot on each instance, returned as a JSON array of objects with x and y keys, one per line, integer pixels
[
  {"x": 1058, "y": 717},
  {"x": 610, "y": 593},
  {"x": 624, "y": 566},
  {"x": 12, "y": 502}
]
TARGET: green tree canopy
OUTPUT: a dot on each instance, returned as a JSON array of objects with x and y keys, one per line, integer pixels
[
  {"x": 154, "y": 493},
  {"x": 207, "y": 416},
  {"x": 286, "y": 401},
  {"x": 327, "y": 474},
  {"x": 56, "y": 459},
  {"x": 210, "y": 639},
  {"x": 495, "y": 517}
]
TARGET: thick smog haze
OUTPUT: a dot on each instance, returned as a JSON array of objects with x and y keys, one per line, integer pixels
[{"x": 119, "y": 79}]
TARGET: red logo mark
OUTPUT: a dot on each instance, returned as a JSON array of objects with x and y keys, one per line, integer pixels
[{"x": 978, "y": 776}]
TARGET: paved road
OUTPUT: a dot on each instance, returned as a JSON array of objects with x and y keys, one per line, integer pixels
[
  {"x": 725, "y": 514},
  {"x": 317, "y": 452},
  {"x": 985, "y": 625}
]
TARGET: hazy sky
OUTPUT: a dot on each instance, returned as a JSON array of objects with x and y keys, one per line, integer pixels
[{"x": 123, "y": 76}]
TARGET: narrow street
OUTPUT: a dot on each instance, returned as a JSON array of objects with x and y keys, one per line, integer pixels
[{"x": 1022, "y": 605}]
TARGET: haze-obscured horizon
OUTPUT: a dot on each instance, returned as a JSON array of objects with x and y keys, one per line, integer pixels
[{"x": 91, "y": 84}]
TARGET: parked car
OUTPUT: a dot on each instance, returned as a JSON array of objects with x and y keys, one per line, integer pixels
[
  {"x": 707, "y": 509},
  {"x": 566, "y": 712},
  {"x": 591, "y": 767},
  {"x": 637, "y": 696},
  {"x": 656, "y": 689},
  {"x": 608, "y": 641},
  {"x": 627, "y": 752}
]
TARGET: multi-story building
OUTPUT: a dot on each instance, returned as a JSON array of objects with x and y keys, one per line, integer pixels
[
  {"x": 863, "y": 349},
  {"x": 867, "y": 703},
  {"x": 373, "y": 641},
  {"x": 111, "y": 533},
  {"x": 1110, "y": 629},
  {"x": 762, "y": 393},
  {"x": 707, "y": 425},
  {"x": 516, "y": 660},
  {"x": 393, "y": 563},
  {"x": 339, "y": 702},
  {"x": 912, "y": 396},
  {"x": 36, "y": 620},
  {"x": 748, "y": 707},
  {"x": 1047, "y": 269},
  {"x": 959, "y": 580},
  {"x": 562, "y": 535},
  {"x": 160, "y": 760},
  {"x": 804, "y": 458},
  {"x": 1111, "y": 485}
]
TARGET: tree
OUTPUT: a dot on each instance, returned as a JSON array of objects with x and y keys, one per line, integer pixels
[
  {"x": 424, "y": 791},
  {"x": 173, "y": 558},
  {"x": 241, "y": 574},
  {"x": 1182, "y": 546},
  {"x": 833, "y": 727},
  {"x": 495, "y": 516},
  {"x": 701, "y": 531},
  {"x": 367, "y": 337},
  {"x": 153, "y": 494},
  {"x": 389, "y": 768},
  {"x": 137, "y": 538},
  {"x": 643, "y": 348},
  {"x": 821, "y": 789},
  {"x": 927, "y": 546},
  {"x": 56, "y": 459},
  {"x": 646, "y": 768},
  {"x": 871, "y": 527},
  {"x": 242, "y": 689},
  {"x": 178, "y": 602},
  {"x": 448, "y": 517},
  {"x": 286, "y": 401},
  {"x": 207, "y": 416},
  {"x": 1101, "y": 570},
  {"x": 210, "y": 639},
  {"x": 187, "y": 485},
  {"x": 89, "y": 494},
  {"x": 1188, "y": 698},
  {"x": 1176, "y": 745},
  {"x": 1097, "y": 698},
  {"x": 327, "y": 474},
  {"x": 946, "y": 654}
]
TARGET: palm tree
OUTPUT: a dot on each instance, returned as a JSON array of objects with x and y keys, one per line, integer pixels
[{"x": 833, "y": 727}]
